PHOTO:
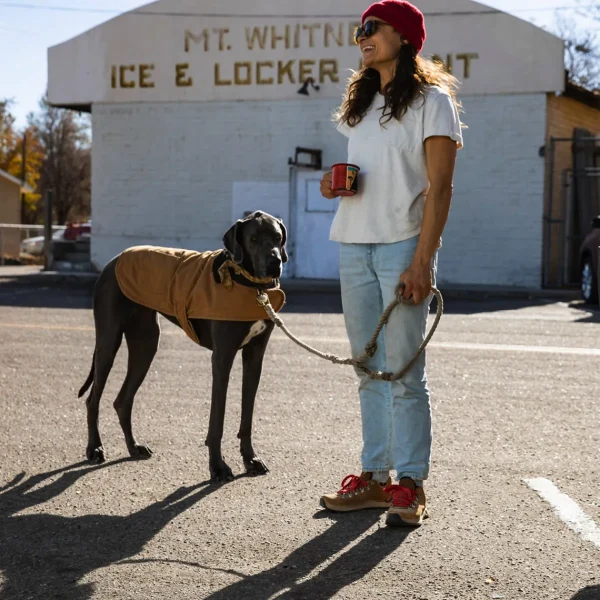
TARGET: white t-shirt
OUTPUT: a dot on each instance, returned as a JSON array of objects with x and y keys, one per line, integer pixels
[{"x": 393, "y": 180}]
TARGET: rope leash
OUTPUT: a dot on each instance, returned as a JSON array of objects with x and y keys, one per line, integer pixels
[{"x": 371, "y": 347}]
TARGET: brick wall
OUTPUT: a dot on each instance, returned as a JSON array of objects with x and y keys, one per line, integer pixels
[
  {"x": 494, "y": 233},
  {"x": 164, "y": 174}
]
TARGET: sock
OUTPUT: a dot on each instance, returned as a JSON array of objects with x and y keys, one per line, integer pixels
[
  {"x": 381, "y": 476},
  {"x": 408, "y": 482}
]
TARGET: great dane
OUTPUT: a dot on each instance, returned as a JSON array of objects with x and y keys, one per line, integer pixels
[{"x": 258, "y": 245}]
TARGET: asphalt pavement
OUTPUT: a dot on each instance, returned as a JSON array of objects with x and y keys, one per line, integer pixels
[{"x": 513, "y": 494}]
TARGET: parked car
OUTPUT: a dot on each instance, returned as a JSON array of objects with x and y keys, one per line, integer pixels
[
  {"x": 34, "y": 246},
  {"x": 77, "y": 231},
  {"x": 588, "y": 259}
]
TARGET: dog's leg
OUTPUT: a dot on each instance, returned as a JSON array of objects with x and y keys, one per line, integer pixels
[
  {"x": 107, "y": 346},
  {"x": 222, "y": 361},
  {"x": 142, "y": 335},
  {"x": 252, "y": 361}
]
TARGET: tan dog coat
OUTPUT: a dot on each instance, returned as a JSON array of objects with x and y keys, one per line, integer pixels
[{"x": 181, "y": 284}]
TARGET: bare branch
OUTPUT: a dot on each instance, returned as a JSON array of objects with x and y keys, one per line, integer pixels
[
  {"x": 582, "y": 52},
  {"x": 585, "y": 8}
]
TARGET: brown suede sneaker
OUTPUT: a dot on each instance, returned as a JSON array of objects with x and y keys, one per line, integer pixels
[
  {"x": 358, "y": 493},
  {"x": 409, "y": 506}
]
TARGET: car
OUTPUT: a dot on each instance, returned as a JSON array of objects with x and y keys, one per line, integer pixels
[
  {"x": 77, "y": 231},
  {"x": 588, "y": 261},
  {"x": 34, "y": 246}
]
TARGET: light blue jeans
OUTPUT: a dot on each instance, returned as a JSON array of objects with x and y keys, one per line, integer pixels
[{"x": 396, "y": 416}]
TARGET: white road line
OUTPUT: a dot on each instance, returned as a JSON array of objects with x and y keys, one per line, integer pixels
[
  {"x": 344, "y": 341},
  {"x": 567, "y": 510},
  {"x": 470, "y": 346},
  {"x": 518, "y": 348}
]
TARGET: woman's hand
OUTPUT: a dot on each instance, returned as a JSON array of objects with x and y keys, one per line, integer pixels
[
  {"x": 326, "y": 190},
  {"x": 417, "y": 283}
]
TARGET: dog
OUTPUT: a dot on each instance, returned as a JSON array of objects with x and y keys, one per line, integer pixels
[{"x": 255, "y": 250}]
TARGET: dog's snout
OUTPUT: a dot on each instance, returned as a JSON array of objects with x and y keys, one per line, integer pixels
[
  {"x": 273, "y": 263},
  {"x": 274, "y": 258}
]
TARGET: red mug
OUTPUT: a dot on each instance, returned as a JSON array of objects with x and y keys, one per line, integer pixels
[{"x": 344, "y": 179}]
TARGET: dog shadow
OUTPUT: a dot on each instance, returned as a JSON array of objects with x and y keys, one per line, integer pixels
[
  {"x": 47, "y": 556},
  {"x": 309, "y": 573}
]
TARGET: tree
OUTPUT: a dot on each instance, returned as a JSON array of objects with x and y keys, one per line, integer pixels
[
  {"x": 11, "y": 159},
  {"x": 587, "y": 9},
  {"x": 8, "y": 136},
  {"x": 582, "y": 53},
  {"x": 66, "y": 167}
]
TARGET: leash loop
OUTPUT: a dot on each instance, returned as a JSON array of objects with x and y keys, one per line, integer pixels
[{"x": 371, "y": 347}]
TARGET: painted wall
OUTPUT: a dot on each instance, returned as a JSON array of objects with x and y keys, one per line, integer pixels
[
  {"x": 218, "y": 50},
  {"x": 174, "y": 175}
]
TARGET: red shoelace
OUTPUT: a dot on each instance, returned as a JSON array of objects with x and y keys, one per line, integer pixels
[
  {"x": 351, "y": 483},
  {"x": 402, "y": 497}
]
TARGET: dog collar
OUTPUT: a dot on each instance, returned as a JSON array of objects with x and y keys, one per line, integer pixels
[{"x": 227, "y": 279}]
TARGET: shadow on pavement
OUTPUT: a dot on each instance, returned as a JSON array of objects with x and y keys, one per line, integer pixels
[
  {"x": 297, "y": 577},
  {"x": 28, "y": 296},
  {"x": 589, "y": 314},
  {"x": 47, "y": 556},
  {"x": 297, "y": 301},
  {"x": 591, "y": 592}
]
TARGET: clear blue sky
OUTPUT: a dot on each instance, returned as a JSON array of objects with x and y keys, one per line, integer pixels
[{"x": 29, "y": 27}]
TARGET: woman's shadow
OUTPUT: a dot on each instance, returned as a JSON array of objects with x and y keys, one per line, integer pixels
[
  {"x": 308, "y": 573},
  {"x": 48, "y": 556}
]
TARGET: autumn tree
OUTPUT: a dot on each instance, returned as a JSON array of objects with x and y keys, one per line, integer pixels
[
  {"x": 12, "y": 151},
  {"x": 8, "y": 136},
  {"x": 63, "y": 137}
]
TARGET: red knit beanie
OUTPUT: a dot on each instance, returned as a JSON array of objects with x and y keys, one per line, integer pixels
[{"x": 405, "y": 18}]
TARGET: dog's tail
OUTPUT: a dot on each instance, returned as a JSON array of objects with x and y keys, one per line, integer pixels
[{"x": 90, "y": 379}]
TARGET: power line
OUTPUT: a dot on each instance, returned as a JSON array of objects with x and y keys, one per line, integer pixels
[{"x": 108, "y": 11}]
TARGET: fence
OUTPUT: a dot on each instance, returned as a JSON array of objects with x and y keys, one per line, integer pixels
[
  {"x": 12, "y": 235},
  {"x": 572, "y": 200}
]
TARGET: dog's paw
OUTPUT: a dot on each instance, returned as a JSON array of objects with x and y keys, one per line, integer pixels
[
  {"x": 96, "y": 456},
  {"x": 256, "y": 467},
  {"x": 140, "y": 452},
  {"x": 221, "y": 474}
]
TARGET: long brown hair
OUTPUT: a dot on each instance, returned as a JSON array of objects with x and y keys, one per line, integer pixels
[{"x": 412, "y": 74}]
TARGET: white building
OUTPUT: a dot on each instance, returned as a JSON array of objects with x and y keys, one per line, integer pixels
[{"x": 196, "y": 112}]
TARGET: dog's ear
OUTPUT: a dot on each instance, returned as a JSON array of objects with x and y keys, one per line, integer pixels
[
  {"x": 232, "y": 243},
  {"x": 284, "y": 254}
]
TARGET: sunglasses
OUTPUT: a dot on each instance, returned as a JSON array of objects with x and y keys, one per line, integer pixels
[{"x": 368, "y": 29}]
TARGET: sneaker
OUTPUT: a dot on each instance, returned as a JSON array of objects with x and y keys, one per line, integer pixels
[
  {"x": 409, "y": 507},
  {"x": 358, "y": 493}
]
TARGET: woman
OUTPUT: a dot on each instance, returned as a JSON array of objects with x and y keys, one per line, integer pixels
[{"x": 401, "y": 119}]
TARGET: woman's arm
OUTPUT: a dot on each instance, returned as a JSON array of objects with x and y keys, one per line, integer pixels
[{"x": 440, "y": 154}]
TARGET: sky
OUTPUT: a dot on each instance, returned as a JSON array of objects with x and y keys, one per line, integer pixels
[{"x": 29, "y": 27}]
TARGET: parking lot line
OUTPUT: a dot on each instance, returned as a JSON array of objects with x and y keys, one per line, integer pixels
[
  {"x": 518, "y": 348},
  {"x": 339, "y": 340},
  {"x": 471, "y": 346},
  {"x": 567, "y": 509}
]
